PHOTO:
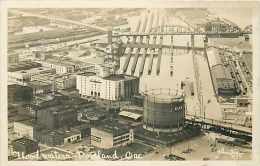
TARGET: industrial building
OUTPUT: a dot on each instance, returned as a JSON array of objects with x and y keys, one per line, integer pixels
[
  {"x": 25, "y": 128},
  {"x": 18, "y": 93},
  {"x": 13, "y": 57},
  {"x": 65, "y": 65},
  {"x": 61, "y": 81},
  {"x": 59, "y": 66},
  {"x": 61, "y": 111},
  {"x": 40, "y": 87},
  {"x": 22, "y": 77},
  {"x": 58, "y": 137},
  {"x": 22, "y": 65},
  {"x": 31, "y": 130},
  {"x": 24, "y": 146},
  {"x": 109, "y": 136},
  {"x": 223, "y": 82},
  {"x": 112, "y": 87},
  {"x": 164, "y": 110},
  {"x": 56, "y": 116}
]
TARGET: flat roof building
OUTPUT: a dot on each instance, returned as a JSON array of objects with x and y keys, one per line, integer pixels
[
  {"x": 223, "y": 82},
  {"x": 26, "y": 128},
  {"x": 13, "y": 57},
  {"x": 109, "y": 136},
  {"x": 59, "y": 66},
  {"x": 58, "y": 137},
  {"x": 18, "y": 93},
  {"x": 40, "y": 87},
  {"x": 62, "y": 81},
  {"x": 22, "y": 77},
  {"x": 112, "y": 87},
  {"x": 24, "y": 146},
  {"x": 22, "y": 65}
]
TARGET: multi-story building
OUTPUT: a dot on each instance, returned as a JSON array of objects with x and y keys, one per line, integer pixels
[
  {"x": 26, "y": 128},
  {"x": 57, "y": 116},
  {"x": 112, "y": 87},
  {"x": 110, "y": 136},
  {"x": 24, "y": 146},
  {"x": 22, "y": 77},
  {"x": 58, "y": 137},
  {"x": 13, "y": 58},
  {"x": 18, "y": 93},
  {"x": 40, "y": 87},
  {"x": 61, "y": 81},
  {"x": 59, "y": 66},
  {"x": 223, "y": 82}
]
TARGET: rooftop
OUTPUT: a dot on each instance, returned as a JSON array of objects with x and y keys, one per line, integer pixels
[
  {"x": 62, "y": 103},
  {"x": 113, "y": 128},
  {"x": 87, "y": 74},
  {"x": 220, "y": 71},
  {"x": 24, "y": 141},
  {"x": 23, "y": 65},
  {"x": 30, "y": 122},
  {"x": 37, "y": 84},
  {"x": 131, "y": 115},
  {"x": 33, "y": 70},
  {"x": 61, "y": 132},
  {"x": 61, "y": 63},
  {"x": 119, "y": 77}
]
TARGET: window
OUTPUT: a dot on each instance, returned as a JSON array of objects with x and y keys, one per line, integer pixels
[{"x": 95, "y": 138}]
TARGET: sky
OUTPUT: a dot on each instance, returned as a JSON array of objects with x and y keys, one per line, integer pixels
[{"x": 241, "y": 16}]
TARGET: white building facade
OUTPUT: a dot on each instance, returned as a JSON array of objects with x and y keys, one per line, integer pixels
[
  {"x": 23, "y": 130},
  {"x": 113, "y": 87},
  {"x": 22, "y": 77},
  {"x": 109, "y": 139}
]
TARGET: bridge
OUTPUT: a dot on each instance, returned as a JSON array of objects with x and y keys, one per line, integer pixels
[
  {"x": 59, "y": 20},
  {"x": 208, "y": 29}
]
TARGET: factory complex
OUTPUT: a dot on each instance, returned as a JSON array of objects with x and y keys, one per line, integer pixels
[{"x": 133, "y": 83}]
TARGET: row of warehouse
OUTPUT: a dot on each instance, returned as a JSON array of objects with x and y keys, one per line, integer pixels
[{"x": 223, "y": 82}]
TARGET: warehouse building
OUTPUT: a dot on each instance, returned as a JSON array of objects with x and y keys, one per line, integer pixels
[
  {"x": 18, "y": 93},
  {"x": 57, "y": 116},
  {"x": 25, "y": 128},
  {"x": 62, "y": 81},
  {"x": 109, "y": 136},
  {"x": 61, "y": 111},
  {"x": 58, "y": 137},
  {"x": 112, "y": 87},
  {"x": 22, "y": 65},
  {"x": 13, "y": 57},
  {"x": 223, "y": 82},
  {"x": 22, "y": 77},
  {"x": 59, "y": 66},
  {"x": 24, "y": 146},
  {"x": 40, "y": 87}
]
